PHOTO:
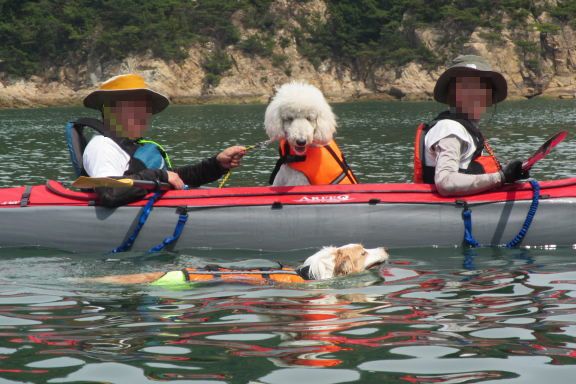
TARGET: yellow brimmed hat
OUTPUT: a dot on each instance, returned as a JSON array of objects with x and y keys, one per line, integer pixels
[
  {"x": 123, "y": 87},
  {"x": 471, "y": 65}
]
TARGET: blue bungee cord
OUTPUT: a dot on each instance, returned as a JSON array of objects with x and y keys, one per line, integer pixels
[
  {"x": 127, "y": 244},
  {"x": 529, "y": 217},
  {"x": 469, "y": 239},
  {"x": 182, "y": 219}
]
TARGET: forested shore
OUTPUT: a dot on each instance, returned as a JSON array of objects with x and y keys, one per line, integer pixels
[{"x": 53, "y": 52}]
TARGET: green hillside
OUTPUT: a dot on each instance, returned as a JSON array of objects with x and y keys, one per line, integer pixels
[{"x": 37, "y": 35}]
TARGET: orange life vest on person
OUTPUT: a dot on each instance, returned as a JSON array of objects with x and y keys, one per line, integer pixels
[
  {"x": 320, "y": 165},
  {"x": 480, "y": 164},
  {"x": 251, "y": 276}
]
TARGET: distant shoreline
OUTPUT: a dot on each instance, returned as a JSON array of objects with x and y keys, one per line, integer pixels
[{"x": 247, "y": 100}]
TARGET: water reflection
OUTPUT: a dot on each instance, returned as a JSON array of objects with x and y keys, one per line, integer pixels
[{"x": 429, "y": 316}]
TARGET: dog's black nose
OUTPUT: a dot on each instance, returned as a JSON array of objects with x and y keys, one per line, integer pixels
[{"x": 301, "y": 143}]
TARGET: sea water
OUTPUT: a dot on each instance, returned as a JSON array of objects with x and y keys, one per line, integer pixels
[{"x": 446, "y": 315}]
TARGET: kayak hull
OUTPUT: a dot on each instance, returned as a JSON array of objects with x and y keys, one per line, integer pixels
[{"x": 286, "y": 219}]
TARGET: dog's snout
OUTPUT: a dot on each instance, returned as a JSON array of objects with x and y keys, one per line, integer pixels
[{"x": 301, "y": 142}]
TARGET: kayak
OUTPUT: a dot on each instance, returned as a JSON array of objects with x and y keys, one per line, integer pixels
[{"x": 288, "y": 218}]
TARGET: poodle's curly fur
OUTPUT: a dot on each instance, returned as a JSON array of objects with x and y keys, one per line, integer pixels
[{"x": 300, "y": 114}]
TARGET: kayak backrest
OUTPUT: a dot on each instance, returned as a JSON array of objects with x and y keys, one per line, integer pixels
[{"x": 77, "y": 138}]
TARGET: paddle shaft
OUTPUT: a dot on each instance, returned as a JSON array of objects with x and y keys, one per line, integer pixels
[
  {"x": 110, "y": 182},
  {"x": 151, "y": 185}
]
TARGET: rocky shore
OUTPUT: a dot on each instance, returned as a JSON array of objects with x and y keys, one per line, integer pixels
[{"x": 535, "y": 63}]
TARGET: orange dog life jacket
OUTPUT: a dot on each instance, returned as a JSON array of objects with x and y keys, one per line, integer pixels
[
  {"x": 252, "y": 276},
  {"x": 320, "y": 165}
]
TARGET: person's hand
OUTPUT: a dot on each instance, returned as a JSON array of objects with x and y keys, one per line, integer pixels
[
  {"x": 230, "y": 157},
  {"x": 175, "y": 180},
  {"x": 512, "y": 172}
]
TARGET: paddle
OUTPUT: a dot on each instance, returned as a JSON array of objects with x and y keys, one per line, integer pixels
[
  {"x": 109, "y": 182},
  {"x": 544, "y": 150}
]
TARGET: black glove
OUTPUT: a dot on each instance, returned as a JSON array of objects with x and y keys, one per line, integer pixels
[{"x": 512, "y": 172}]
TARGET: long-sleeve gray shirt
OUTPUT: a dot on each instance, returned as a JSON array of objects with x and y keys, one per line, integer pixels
[{"x": 449, "y": 182}]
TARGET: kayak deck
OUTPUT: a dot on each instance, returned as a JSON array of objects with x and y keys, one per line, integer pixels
[
  {"x": 54, "y": 193},
  {"x": 286, "y": 218}
]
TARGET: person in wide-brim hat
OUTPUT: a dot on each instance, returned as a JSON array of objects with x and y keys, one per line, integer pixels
[
  {"x": 120, "y": 150},
  {"x": 470, "y": 66},
  {"x": 126, "y": 87},
  {"x": 451, "y": 151}
]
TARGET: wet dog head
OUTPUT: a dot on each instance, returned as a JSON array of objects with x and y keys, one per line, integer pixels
[
  {"x": 331, "y": 262},
  {"x": 300, "y": 114}
]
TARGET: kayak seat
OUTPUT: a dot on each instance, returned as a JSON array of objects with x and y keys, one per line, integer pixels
[{"x": 77, "y": 138}]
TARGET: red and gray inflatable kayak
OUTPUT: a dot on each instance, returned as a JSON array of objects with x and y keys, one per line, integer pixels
[{"x": 285, "y": 218}]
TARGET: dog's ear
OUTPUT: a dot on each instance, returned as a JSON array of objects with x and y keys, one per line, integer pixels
[
  {"x": 348, "y": 260},
  {"x": 325, "y": 124},
  {"x": 273, "y": 120}
]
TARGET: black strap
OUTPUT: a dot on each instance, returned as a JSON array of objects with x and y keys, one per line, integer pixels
[
  {"x": 461, "y": 118},
  {"x": 275, "y": 170},
  {"x": 285, "y": 158},
  {"x": 95, "y": 124},
  {"x": 343, "y": 165},
  {"x": 25, "y": 199},
  {"x": 128, "y": 145}
]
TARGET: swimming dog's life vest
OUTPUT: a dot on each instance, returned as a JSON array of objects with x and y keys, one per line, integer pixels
[
  {"x": 480, "y": 164},
  {"x": 258, "y": 276},
  {"x": 144, "y": 154},
  {"x": 321, "y": 165}
]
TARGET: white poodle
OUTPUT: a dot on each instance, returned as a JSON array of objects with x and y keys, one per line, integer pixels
[{"x": 300, "y": 118}]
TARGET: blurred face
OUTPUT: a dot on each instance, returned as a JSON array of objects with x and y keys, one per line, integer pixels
[
  {"x": 471, "y": 96},
  {"x": 129, "y": 118}
]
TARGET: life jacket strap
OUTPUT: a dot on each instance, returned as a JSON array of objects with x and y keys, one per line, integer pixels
[
  {"x": 285, "y": 158},
  {"x": 160, "y": 149},
  {"x": 346, "y": 170},
  {"x": 200, "y": 271}
]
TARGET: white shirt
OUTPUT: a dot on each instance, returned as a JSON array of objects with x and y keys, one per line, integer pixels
[
  {"x": 103, "y": 157},
  {"x": 443, "y": 129},
  {"x": 448, "y": 146}
]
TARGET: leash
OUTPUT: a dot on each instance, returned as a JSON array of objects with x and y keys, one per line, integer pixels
[
  {"x": 469, "y": 239},
  {"x": 255, "y": 147}
]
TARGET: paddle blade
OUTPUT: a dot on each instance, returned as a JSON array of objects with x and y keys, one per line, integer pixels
[
  {"x": 544, "y": 150},
  {"x": 97, "y": 182}
]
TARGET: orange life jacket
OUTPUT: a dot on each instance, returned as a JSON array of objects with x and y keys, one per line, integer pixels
[
  {"x": 320, "y": 165},
  {"x": 480, "y": 164},
  {"x": 251, "y": 276}
]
